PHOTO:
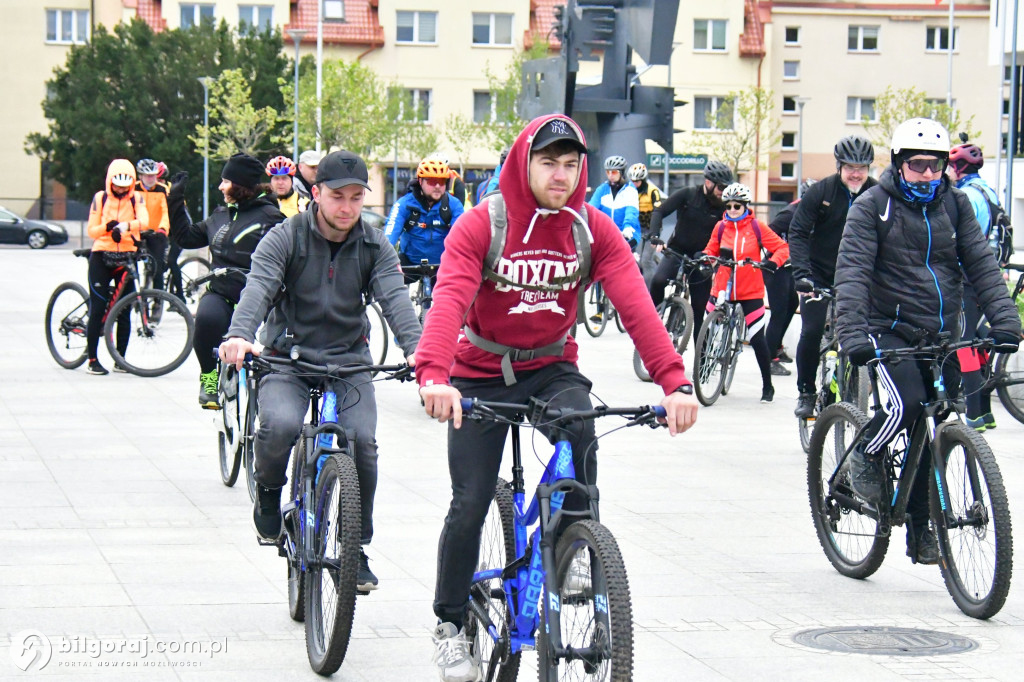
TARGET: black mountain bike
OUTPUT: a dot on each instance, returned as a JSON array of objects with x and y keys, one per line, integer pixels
[
  {"x": 676, "y": 313},
  {"x": 421, "y": 290},
  {"x": 1004, "y": 372},
  {"x": 968, "y": 506}
]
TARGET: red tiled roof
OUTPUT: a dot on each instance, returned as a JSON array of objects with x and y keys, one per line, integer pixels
[
  {"x": 149, "y": 12},
  {"x": 752, "y": 38},
  {"x": 542, "y": 20},
  {"x": 361, "y": 25}
]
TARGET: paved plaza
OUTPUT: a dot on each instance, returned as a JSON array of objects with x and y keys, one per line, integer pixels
[{"x": 121, "y": 548}]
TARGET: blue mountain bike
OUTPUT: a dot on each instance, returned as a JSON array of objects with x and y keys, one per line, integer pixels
[{"x": 564, "y": 594}]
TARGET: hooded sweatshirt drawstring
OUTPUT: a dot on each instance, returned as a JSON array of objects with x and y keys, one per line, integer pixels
[{"x": 538, "y": 212}]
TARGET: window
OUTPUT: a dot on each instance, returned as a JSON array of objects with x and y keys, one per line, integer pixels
[
  {"x": 492, "y": 29},
  {"x": 193, "y": 15},
  {"x": 792, "y": 35},
  {"x": 414, "y": 105},
  {"x": 483, "y": 107},
  {"x": 1007, "y": 73},
  {"x": 712, "y": 113},
  {"x": 417, "y": 27},
  {"x": 789, "y": 140},
  {"x": 789, "y": 105},
  {"x": 67, "y": 26},
  {"x": 334, "y": 10},
  {"x": 790, "y": 71},
  {"x": 787, "y": 170},
  {"x": 255, "y": 18},
  {"x": 937, "y": 39},
  {"x": 862, "y": 39},
  {"x": 860, "y": 108},
  {"x": 709, "y": 34},
  {"x": 1006, "y": 107}
]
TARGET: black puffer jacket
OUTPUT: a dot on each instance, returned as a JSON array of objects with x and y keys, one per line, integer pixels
[
  {"x": 914, "y": 276},
  {"x": 232, "y": 234},
  {"x": 817, "y": 227},
  {"x": 696, "y": 217}
]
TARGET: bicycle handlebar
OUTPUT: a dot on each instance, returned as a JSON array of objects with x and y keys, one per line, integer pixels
[
  {"x": 214, "y": 274},
  {"x": 941, "y": 348},
  {"x": 539, "y": 411},
  {"x": 272, "y": 363},
  {"x": 731, "y": 263},
  {"x": 421, "y": 270}
]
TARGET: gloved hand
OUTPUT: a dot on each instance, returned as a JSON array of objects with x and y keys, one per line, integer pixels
[
  {"x": 655, "y": 241},
  {"x": 861, "y": 355},
  {"x": 111, "y": 224},
  {"x": 115, "y": 234},
  {"x": 804, "y": 286},
  {"x": 632, "y": 243},
  {"x": 179, "y": 181},
  {"x": 769, "y": 265},
  {"x": 1004, "y": 342}
]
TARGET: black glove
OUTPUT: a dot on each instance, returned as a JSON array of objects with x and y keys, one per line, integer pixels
[
  {"x": 1004, "y": 342},
  {"x": 111, "y": 224},
  {"x": 179, "y": 181},
  {"x": 632, "y": 243},
  {"x": 656, "y": 242},
  {"x": 804, "y": 286},
  {"x": 769, "y": 265},
  {"x": 862, "y": 355},
  {"x": 115, "y": 234}
]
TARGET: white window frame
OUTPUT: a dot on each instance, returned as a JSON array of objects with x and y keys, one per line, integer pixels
[
  {"x": 333, "y": 10},
  {"x": 709, "y": 28},
  {"x": 791, "y": 43},
  {"x": 787, "y": 77},
  {"x": 782, "y": 140},
  {"x": 244, "y": 25},
  {"x": 79, "y": 19},
  {"x": 197, "y": 17},
  {"x": 933, "y": 35},
  {"x": 860, "y": 109},
  {"x": 416, "y": 94},
  {"x": 795, "y": 110},
  {"x": 782, "y": 171},
  {"x": 416, "y": 27},
  {"x": 860, "y": 38},
  {"x": 716, "y": 103},
  {"x": 492, "y": 102},
  {"x": 492, "y": 28}
]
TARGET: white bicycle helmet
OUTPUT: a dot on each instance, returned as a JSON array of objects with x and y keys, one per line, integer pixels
[
  {"x": 637, "y": 172},
  {"x": 122, "y": 180},
  {"x": 147, "y": 167},
  {"x": 736, "y": 192},
  {"x": 615, "y": 163},
  {"x": 920, "y": 134}
]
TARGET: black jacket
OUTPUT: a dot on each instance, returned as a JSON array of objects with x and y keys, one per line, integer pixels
[
  {"x": 913, "y": 275},
  {"x": 232, "y": 234},
  {"x": 817, "y": 227},
  {"x": 696, "y": 218}
]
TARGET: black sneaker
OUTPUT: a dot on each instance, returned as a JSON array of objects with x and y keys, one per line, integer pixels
[
  {"x": 366, "y": 580},
  {"x": 866, "y": 475},
  {"x": 784, "y": 357},
  {"x": 804, "y": 405},
  {"x": 927, "y": 547},
  {"x": 96, "y": 368},
  {"x": 266, "y": 513},
  {"x": 778, "y": 369},
  {"x": 768, "y": 395},
  {"x": 120, "y": 369}
]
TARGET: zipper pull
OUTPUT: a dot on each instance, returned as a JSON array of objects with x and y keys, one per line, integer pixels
[{"x": 330, "y": 273}]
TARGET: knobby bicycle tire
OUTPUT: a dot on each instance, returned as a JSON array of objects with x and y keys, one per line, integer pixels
[
  {"x": 712, "y": 346},
  {"x": 67, "y": 331},
  {"x": 296, "y": 576},
  {"x": 497, "y": 550},
  {"x": 336, "y": 545},
  {"x": 850, "y": 540},
  {"x": 594, "y": 613},
  {"x": 976, "y": 556},
  {"x": 680, "y": 328},
  {"x": 1009, "y": 372},
  {"x": 174, "y": 332}
]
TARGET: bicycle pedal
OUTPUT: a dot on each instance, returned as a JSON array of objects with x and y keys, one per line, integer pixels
[{"x": 268, "y": 543}]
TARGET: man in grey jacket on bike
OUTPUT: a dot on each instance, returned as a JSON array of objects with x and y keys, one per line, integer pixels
[{"x": 315, "y": 273}]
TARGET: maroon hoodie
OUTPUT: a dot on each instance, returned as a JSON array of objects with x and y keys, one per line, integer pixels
[{"x": 529, "y": 319}]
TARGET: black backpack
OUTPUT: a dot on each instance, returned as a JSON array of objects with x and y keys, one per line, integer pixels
[{"x": 999, "y": 231}]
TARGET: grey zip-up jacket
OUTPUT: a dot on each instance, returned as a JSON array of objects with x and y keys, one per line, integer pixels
[{"x": 322, "y": 308}]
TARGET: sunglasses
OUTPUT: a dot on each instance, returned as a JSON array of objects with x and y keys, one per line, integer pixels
[
  {"x": 731, "y": 206},
  {"x": 435, "y": 181},
  {"x": 922, "y": 165},
  {"x": 721, "y": 186}
]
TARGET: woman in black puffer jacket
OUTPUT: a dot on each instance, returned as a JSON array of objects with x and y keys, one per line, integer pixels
[{"x": 232, "y": 233}]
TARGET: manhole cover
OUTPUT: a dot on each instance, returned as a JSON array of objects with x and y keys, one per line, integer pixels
[{"x": 885, "y": 641}]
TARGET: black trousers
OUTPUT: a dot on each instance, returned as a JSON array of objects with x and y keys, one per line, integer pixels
[
  {"x": 783, "y": 301},
  {"x": 101, "y": 272},
  {"x": 700, "y": 287},
  {"x": 213, "y": 317},
  {"x": 812, "y": 328},
  {"x": 474, "y": 461},
  {"x": 156, "y": 244},
  {"x": 174, "y": 286}
]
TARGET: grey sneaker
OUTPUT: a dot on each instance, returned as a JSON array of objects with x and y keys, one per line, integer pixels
[
  {"x": 451, "y": 655},
  {"x": 804, "y": 405},
  {"x": 866, "y": 476},
  {"x": 366, "y": 580}
]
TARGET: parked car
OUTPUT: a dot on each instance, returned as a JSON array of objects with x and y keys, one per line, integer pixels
[
  {"x": 36, "y": 233},
  {"x": 373, "y": 219}
]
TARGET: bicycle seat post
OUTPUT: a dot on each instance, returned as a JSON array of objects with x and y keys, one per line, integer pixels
[{"x": 518, "y": 485}]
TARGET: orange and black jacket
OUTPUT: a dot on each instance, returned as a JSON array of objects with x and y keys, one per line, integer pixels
[
  {"x": 106, "y": 206},
  {"x": 156, "y": 205}
]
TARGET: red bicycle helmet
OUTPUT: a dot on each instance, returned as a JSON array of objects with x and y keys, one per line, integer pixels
[
  {"x": 280, "y": 165},
  {"x": 966, "y": 155}
]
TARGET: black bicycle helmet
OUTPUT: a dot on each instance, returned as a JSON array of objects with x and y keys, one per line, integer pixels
[
  {"x": 718, "y": 173},
  {"x": 854, "y": 150}
]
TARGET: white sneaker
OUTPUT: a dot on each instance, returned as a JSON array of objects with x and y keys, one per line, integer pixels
[{"x": 452, "y": 657}]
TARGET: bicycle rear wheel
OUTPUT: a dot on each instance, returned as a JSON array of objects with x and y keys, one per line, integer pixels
[
  {"x": 497, "y": 550},
  {"x": 67, "y": 315},
  {"x": 974, "y": 532},
  {"x": 377, "y": 337},
  {"x": 596, "y": 612},
  {"x": 595, "y": 313},
  {"x": 154, "y": 349},
  {"x": 331, "y": 583},
  {"x": 712, "y": 356},
  {"x": 850, "y": 539},
  {"x": 229, "y": 426},
  {"x": 1009, "y": 369},
  {"x": 192, "y": 268}
]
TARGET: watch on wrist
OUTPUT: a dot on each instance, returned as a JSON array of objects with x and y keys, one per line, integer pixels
[{"x": 686, "y": 389}]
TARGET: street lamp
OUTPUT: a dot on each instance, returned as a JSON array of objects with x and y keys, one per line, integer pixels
[
  {"x": 800, "y": 102},
  {"x": 206, "y": 80},
  {"x": 296, "y": 34}
]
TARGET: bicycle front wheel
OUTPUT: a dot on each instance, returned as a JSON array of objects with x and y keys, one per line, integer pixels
[
  {"x": 158, "y": 342},
  {"x": 679, "y": 322},
  {"x": 974, "y": 534},
  {"x": 377, "y": 337},
  {"x": 712, "y": 356},
  {"x": 296, "y": 576},
  {"x": 331, "y": 582},
  {"x": 229, "y": 427},
  {"x": 618, "y": 318},
  {"x": 497, "y": 550},
  {"x": 595, "y": 313},
  {"x": 67, "y": 315},
  {"x": 192, "y": 269},
  {"x": 251, "y": 425},
  {"x": 596, "y": 612},
  {"x": 850, "y": 539},
  {"x": 1009, "y": 369}
]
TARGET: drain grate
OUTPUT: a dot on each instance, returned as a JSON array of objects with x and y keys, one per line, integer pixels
[{"x": 885, "y": 641}]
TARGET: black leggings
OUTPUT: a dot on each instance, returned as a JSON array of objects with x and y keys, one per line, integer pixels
[
  {"x": 213, "y": 317},
  {"x": 808, "y": 350},
  {"x": 174, "y": 286},
  {"x": 101, "y": 273}
]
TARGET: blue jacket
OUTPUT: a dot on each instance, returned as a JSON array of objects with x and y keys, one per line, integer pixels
[
  {"x": 422, "y": 237},
  {"x": 623, "y": 208},
  {"x": 977, "y": 190}
]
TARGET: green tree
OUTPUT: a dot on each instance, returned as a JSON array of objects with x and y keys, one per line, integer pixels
[
  {"x": 744, "y": 125},
  {"x": 235, "y": 124},
  {"x": 505, "y": 86},
  {"x": 462, "y": 135},
  {"x": 896, "y": 105}
]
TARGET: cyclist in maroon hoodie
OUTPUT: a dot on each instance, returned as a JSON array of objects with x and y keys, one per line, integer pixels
[{"x": 518, "y": 310}]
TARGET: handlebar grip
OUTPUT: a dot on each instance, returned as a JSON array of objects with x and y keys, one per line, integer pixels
[
  {"x": 467, "y": 404},
  {"x": 659, "y": 411}
]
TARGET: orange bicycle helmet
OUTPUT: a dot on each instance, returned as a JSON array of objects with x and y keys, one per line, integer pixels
[
  {"x": 280, "y": 165},
  {"x": 432, "y": 168}
]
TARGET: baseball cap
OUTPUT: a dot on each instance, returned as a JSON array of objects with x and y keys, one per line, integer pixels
[
  {"x": 310, "y": 157},
  {"x": 342, "y": 168},
  {"x": 558, "y": 129}
]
